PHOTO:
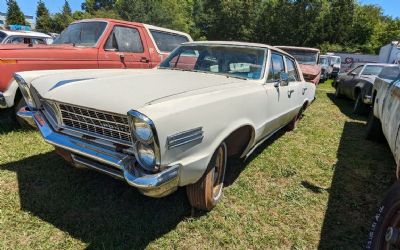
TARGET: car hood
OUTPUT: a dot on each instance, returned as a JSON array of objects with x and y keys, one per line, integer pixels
[
  {"x": 310, "y": 69},
  {"x": 119, "y": 91}
]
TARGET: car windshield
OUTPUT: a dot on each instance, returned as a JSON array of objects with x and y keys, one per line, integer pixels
[
  {"x": 304, "y": 57},
  {"x": 373, "y": 70},
  {"x": 82, "y": 34},
  {"x": 323, "y": 61},
  {"x": 2, "y": 36},
  {"x": 234, "y": 61},
  {"x": 391, "y": 73}
]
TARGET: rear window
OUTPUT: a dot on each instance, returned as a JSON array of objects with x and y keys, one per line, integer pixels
[
  {"x": 2, "y": 36},
  {"x": 167, "y": 42}
]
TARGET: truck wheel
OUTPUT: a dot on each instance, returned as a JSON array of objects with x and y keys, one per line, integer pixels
[
  {"x": 374, "y": 128},
  {"x": 206, "y": 192},
  {"x": 19, "y": 104},
  {"x": 359, "y": 106},
  {"x": 385, "y": 228}
]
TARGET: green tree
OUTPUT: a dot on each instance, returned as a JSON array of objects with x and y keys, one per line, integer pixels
[
  {"x": 91, "y": 6},
  {"x": 63, "y": 19},
  {"x": 14, "y": 14},
  {"x": 43, "y": 19}
]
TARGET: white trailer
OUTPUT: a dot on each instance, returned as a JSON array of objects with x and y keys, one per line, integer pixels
[{"x": 390, "y": 53}]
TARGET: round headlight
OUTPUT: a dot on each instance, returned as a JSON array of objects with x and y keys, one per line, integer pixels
[
  {"x": 146, "y": 156},
  {"x": 142, "y": 130}
]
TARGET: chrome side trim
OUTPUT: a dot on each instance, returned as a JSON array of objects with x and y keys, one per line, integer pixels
[{"x": 185, "y": 137}]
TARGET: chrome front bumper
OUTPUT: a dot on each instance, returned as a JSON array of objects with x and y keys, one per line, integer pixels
[
  {"x": 3, "y": 103},
  {"x": 106, "y": 160}
]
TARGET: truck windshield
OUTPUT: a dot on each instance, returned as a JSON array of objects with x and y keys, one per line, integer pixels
[
  {"x": 234, "y": 61},
  {"x": 82, "y": 34},
  {"x": 304, "y": 57},
  {"x": 323, "y": 61},
  {"x": 2, "y": 36}
]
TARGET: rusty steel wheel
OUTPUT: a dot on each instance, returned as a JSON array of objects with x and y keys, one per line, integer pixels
[
  {"x": 207, "y": 191},
  {"x": 385, "y": 230}
]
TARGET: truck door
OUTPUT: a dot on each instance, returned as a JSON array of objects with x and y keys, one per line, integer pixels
[{"x": 125, "y": 48}]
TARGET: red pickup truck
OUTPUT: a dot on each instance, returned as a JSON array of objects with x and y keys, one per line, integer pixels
[{"x": 88, "y": 44}]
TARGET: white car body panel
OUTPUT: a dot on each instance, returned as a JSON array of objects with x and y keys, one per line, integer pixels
[{"x": 178, "y": 101}]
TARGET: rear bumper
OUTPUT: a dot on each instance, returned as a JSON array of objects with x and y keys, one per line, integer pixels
[
  {"x": 84, "y": 153},
  {"x": 3, "y": 103}
]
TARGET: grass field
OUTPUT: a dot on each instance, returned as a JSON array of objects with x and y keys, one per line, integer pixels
[{"x": 316, "y": 187}]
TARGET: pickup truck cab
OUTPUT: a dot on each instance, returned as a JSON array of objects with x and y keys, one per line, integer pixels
[{"x": 88, "y": 44}]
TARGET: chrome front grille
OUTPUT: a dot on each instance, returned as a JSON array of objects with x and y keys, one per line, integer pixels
[{"x": 94, "y": 123}]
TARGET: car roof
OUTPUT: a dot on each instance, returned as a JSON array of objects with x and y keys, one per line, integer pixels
[
  {"x": 381, "y": 64},
  {"x": 25, "y": 33},
  {"x": 298, "y": 48}
]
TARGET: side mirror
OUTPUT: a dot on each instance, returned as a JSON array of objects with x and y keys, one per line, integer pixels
[{"x": 283, "y": 79}]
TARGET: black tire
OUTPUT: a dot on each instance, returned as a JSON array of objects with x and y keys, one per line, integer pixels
[
  {"x": 19, "y": 104},
  {"x": 374, "y": 128},
  {"x": 207, "y": 192},
  {"x": 359, "y": 106},
  {"x": 388, "y": 215},
  {"x": 293, "y": 123},
  {"x": 337, "y": 91}
]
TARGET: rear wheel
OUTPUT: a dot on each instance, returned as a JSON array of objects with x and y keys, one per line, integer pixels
[
  {"x": 374, "y": 128},
  {"x": 385, "y": 229},
  {"x": 293, "y": 123},
  {"x": 207, "y": 192}
]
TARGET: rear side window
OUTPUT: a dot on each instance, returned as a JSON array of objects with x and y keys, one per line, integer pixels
[
  {"x": 276, "y": 67},
  {"x": 167, "y": 42},
  {"x": 124, "y": 39},
  {"x": 292, "y": 71}
]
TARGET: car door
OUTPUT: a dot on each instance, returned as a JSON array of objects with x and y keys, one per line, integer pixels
[
  {"x": 297, "y": 87},
  {"x": 125, "y": 48},
  {"x": 350, "y": 80},
  {"x": 280, "y": 97}
]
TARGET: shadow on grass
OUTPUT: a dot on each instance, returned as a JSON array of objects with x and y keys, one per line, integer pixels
[
  {"x": 362, "y": 174},
  {"x": 346, "y": 107},
  {"x": 100, "y": 211}
]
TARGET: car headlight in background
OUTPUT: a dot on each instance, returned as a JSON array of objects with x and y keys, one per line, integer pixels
[
  {"x": 145, "y": 141},
  {"x": 23, "y": 86}
]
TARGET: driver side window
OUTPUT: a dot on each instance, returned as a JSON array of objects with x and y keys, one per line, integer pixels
[
  {"x": 124, "y": 39},
  {"x": 276, "y": 66}
]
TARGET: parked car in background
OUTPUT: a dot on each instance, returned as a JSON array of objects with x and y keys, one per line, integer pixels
[
  {"x": 384, "y": 122},
  {"x": 324, "y": 62},
  {"x": 357, "y": 84},
  {"x": 93, "y": 43},
  {"x": 308, "y": 59},
  {"x": 24, "y": 37},
  {"x": 171, "y": 126},
  {"x": 336, "y": 64}
]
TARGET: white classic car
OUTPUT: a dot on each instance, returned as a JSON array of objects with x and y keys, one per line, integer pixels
[
  {"x": 171, "y": 126},
  {"x": 384, "y": 122}
]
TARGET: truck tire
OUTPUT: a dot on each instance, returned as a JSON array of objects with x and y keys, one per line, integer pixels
[
  {"x": 374, "y": 128},
  {"x": 385, "y": 228},
  {"x": 359, "y": 106},
  {"x": 207, "y": 192}
]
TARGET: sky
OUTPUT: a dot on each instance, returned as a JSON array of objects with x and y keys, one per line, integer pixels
[{"x": 390, "y": 7}]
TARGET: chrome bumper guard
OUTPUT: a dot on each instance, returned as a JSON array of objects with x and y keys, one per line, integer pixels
[
  {"x": 106, "y": 160},
  {"x": 368, "y": 99},
  {"x": 3, "y": 103}
]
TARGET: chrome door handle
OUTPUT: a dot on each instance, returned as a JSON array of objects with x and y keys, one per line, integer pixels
[
  {"x": 304, "y": 90},
  {"x": 290, "y": 92}
]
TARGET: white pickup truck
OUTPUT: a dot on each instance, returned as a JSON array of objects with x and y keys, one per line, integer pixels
[{"x": 384, "y": 121}]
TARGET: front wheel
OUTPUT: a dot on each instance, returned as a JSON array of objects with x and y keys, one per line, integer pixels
[
  {"x": 207, "y": 192},
  {"x": 359, "y": 106},
  {"x": 337, "y": 92},
  {"x": 385, "y": 229},
  {"x": 19, "y": 104}
]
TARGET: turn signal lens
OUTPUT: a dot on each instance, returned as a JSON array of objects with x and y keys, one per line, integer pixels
[{"x": 6, "y": 61}]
